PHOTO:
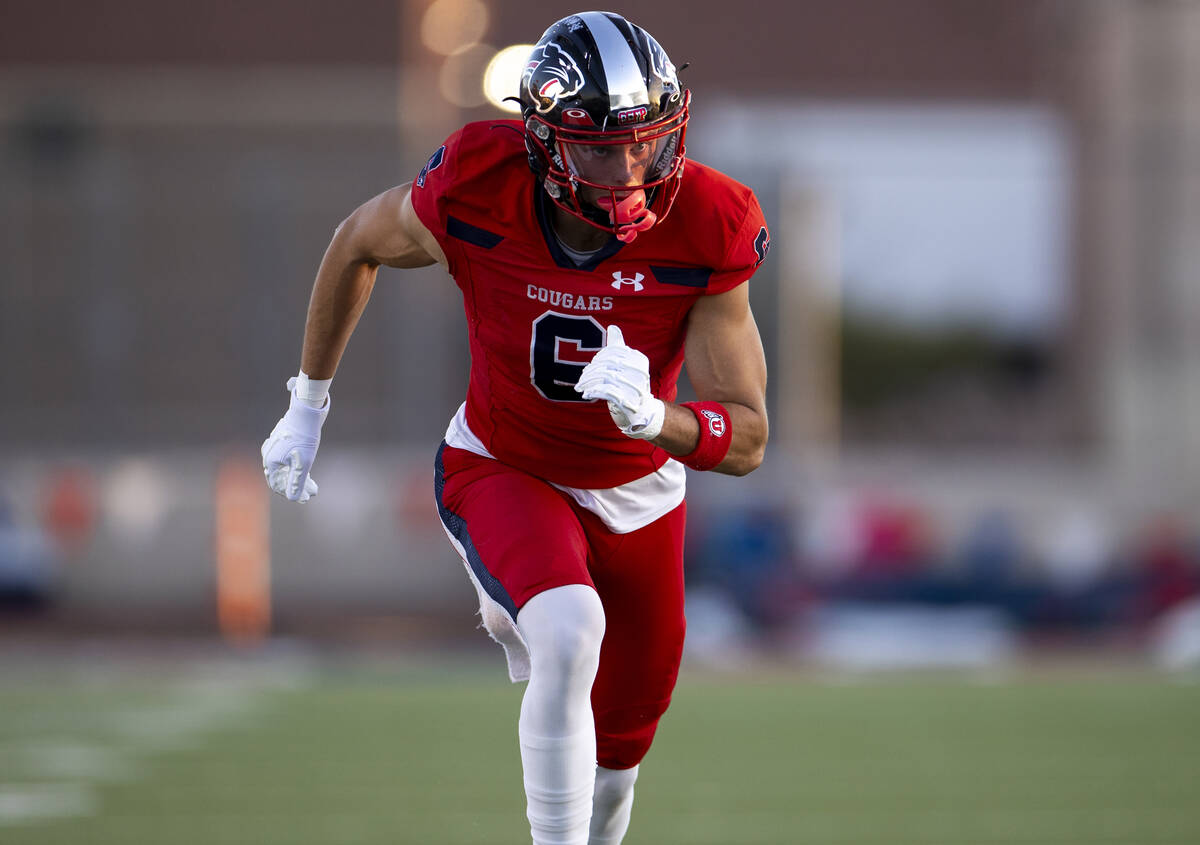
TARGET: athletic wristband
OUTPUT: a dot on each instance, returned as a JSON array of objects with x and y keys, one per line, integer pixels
[
  {"x": 715, "y": 436},
  {"x": 312, "y": 392}
]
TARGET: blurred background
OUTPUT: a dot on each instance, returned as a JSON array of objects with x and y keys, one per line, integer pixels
[
  {"x": 980, "y": 317},
  {"x": 980, "y": 311}
]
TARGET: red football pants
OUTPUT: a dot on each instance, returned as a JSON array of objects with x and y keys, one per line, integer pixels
[{"x": 522, "y": 536}]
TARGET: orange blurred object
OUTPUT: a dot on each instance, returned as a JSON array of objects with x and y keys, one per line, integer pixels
[
  {"x": 243, "y": 552},
  {"x": 69, "y": 508}
]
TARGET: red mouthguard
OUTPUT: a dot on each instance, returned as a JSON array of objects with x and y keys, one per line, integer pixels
[{"x": 630, "y": 215}]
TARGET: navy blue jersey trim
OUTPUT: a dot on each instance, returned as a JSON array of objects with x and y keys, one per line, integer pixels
[
  {"x": 762, "y": 242},
  {"x": 464, "y": 231},
  {"x": 688, "y": 277},
  {"x": 457, "y": 526},
  {"x": 435, "y": 161},
  {"x": 542, "y": 206}
]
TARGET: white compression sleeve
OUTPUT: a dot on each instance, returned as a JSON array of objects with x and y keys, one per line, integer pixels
[
  {"x": 563, "y": 628},
  {"x": 612, "y": 805}
]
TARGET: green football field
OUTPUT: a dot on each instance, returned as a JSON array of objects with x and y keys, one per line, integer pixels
[{"x": 265, "y": 751}]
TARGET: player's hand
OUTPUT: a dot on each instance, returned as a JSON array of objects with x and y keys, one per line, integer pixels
[
  {"x": 289, "y": 452},
  {"x": 621, "y": 376}
]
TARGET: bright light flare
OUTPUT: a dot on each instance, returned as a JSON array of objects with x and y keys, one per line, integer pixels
[
  {"x": 451, "y": 26},
  {"x": 502, "y": 78}
]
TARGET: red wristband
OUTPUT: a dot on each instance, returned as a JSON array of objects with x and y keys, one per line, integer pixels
[{"x": 715, "y": 435}]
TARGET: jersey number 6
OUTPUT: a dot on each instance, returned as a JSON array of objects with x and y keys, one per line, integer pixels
[{"x": 561, "y": 347}]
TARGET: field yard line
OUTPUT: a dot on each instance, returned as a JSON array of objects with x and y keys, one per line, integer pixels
[
  {"x": 181, "y": 724},
  {"x": 22, "y": 803},
  {"x": 68, "y": 757},
  {"x": 210, "y": 699}
]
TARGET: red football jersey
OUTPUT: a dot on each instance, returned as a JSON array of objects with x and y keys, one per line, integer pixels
[{"x": 534, "y": 318}]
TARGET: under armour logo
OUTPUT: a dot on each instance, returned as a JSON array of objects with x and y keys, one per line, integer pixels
[{"x": 619, "y": 280}]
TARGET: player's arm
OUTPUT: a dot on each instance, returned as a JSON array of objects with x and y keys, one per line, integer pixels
[
  {"x": 727, "y": 430},
  {"x": 385, "y": 230},
  {"x": 725, "y": 363}
]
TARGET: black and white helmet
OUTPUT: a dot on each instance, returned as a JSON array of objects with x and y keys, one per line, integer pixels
[{"x": 597, "y": 87}]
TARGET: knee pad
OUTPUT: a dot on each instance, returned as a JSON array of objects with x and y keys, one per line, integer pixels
[{"x": 564, "y": 628}]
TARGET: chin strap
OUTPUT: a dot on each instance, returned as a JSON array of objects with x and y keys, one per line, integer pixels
[{"x": 630, "y": 215}]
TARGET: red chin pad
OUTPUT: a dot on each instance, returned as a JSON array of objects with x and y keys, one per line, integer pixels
[{"x": 630, "y": 215}]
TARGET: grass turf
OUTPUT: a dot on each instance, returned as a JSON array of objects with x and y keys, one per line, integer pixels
[{"x": 420, "y": 756}]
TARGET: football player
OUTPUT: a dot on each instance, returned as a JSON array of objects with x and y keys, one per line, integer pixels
[{"x": 594, "y": 263}]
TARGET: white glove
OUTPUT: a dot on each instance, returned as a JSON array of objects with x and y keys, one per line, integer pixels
[
  {"x": 289, "y": 452},
  {"x": 621, "y": 375}
]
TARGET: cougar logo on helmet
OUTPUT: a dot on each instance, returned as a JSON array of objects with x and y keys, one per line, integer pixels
[
  {"x": 555, "y": 76},
  {"x": 661, "y": 66}
]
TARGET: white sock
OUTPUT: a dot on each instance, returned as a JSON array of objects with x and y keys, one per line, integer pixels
[
  {"x": 612, "y": 803},
  {"x": 563, "y": 628}
]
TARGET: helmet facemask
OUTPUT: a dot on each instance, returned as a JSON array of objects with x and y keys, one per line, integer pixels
[{"x": 621, "y": 180}]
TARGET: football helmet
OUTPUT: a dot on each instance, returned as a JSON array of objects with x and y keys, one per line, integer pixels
[{"x": 605, "y": 119}]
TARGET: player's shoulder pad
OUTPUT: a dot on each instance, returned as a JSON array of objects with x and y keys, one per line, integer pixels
[
  {"x": 470, "y": 153},
  {"x": 723, "y": 223},
  {"x": 470, "y": 169}
]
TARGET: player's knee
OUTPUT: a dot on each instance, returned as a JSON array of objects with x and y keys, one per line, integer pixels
[
  {"x": 564, "y": 628},
  {"x": 574, "y": 651}
]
